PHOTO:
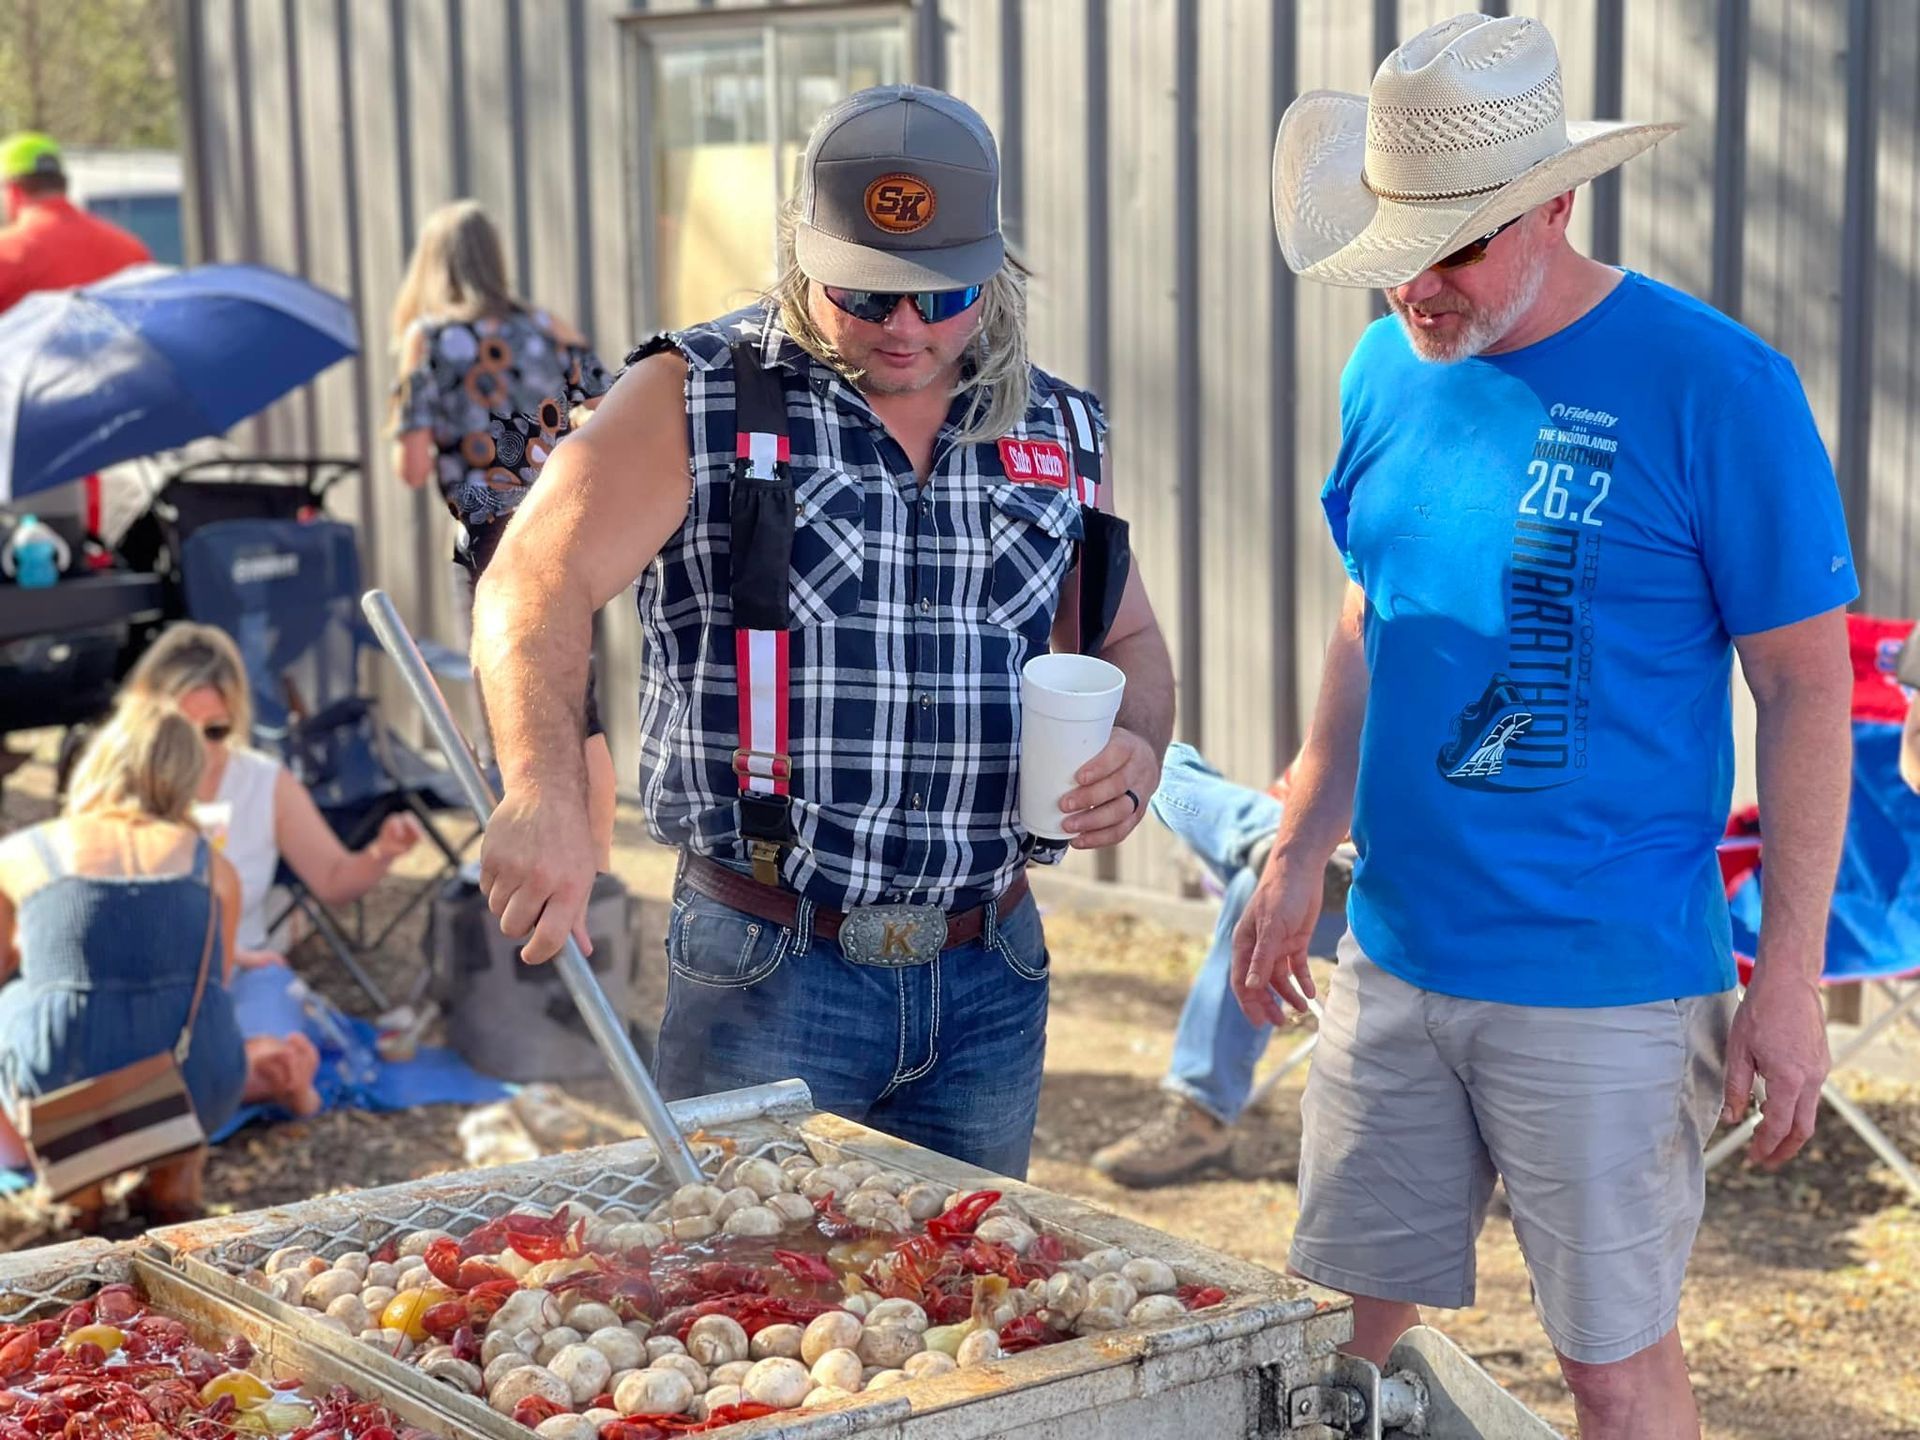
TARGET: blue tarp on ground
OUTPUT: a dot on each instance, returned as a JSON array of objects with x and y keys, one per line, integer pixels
[{"x": 271, "y": 1001}]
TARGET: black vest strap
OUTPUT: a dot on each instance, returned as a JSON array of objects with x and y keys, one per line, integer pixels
[
  {"x": 761, "y": 512},
  {"x": 1106, "y": 553}
]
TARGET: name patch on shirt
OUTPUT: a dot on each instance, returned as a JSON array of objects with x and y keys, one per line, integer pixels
[{"x": 1036, "y": 462}]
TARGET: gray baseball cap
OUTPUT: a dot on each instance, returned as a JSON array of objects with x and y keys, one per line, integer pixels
[{"x": 900, "y": 190}]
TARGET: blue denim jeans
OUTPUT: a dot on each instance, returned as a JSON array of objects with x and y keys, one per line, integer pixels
[
  {"x": 946, "y": 1055},
  {"x": 1216, "y": 1047}
]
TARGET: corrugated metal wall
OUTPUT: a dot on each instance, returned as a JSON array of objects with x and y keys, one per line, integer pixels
[{"x": 1137, "y": 135}]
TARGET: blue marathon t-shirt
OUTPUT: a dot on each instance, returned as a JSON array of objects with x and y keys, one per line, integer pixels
[{"x": 1556, "y": 546}]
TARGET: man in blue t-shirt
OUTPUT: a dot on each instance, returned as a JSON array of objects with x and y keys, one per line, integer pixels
[{"x": 1566, "y": 495}]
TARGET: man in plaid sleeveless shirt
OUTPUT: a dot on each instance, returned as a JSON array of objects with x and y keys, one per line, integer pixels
[{"x": 841, "y": 778}]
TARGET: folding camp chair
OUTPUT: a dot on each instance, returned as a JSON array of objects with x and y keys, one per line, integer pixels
[
  {"x": 1873, "y": 931},
  {"x": 288, "y": 593}
]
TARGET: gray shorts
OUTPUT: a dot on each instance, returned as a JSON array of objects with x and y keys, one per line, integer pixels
[{"x": 1596, "y": 1119}]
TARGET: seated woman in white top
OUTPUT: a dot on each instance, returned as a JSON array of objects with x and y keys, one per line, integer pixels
[{"x": 257, "y": 815}]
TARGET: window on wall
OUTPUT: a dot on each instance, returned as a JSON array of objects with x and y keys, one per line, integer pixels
[{"x": 729, "y": 102}]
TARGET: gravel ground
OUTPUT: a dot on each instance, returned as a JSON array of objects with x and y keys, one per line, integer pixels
[{"x": 1801, "y": 1314}]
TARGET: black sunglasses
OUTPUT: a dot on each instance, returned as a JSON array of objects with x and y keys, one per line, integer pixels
[
  {"x": 1474, "y": 251},
  {"x": 216, "y": 733},
  {"x": 874, "y": 306}
]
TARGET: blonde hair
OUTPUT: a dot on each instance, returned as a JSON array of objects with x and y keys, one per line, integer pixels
[
  {"x": 458, "y": 270},
  {"x": 148, "y": 758},
  {"x": 190, "y": 657},
  {"x": 994, "y": 376}
]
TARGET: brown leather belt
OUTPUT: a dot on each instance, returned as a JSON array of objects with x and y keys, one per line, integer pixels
[{"x": 782, "y": 907}]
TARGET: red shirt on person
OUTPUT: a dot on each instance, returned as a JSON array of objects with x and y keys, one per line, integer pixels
[{"x": 54, "y": 245}]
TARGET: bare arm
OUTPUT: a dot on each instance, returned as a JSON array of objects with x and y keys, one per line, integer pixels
[
  {"x": 610, "y": 497},
  {"x": 413, "y": 457},
  {"x": 1270, "y": 945},
  {"x": 226, "y": 890},
  {"x": 335, "y": 874},
  {"x": 1910, "y": 745},
  {"x": 1802, "y": 687}
]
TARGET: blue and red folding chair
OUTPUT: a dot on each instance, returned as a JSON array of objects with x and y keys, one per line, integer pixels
[{"x": 1873, "y": 930}]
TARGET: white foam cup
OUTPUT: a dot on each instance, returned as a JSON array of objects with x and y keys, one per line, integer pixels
[{"x": 1067, "y": 705}]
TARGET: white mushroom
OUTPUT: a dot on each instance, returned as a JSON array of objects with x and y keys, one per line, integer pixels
[
  {"x": 763, "y": 1177},
  {"x": 638, "y": 1235},
  {"x": 737, "y": 1198},
  {"x": 459, "y": 1374},
  {"x": 584, "y": 1315},
  {"x": 1102, "y": 1262},
  {"x": 351, "y": 1310},
  {"x": 415, "y": 1245},
  {"x": 433, "y": 1352},
  {"x": 905, "y": 1312},
  {"x": 514, "y": 1263},
  {"x": 793, "y": 1209},
  {"x": 825, "y": 1181},
  {"x": 856, "y": 1304},
  {"x": 375, "y": 1297},
  {"x": 556, "y": 1340},
  {"x": 731, "y": 1373},
  {"x": 721, "y": 1395},
  {"x": 835, "y": 1330},
  {"x": 798, "y": 1163},
  {"x": 526, "y": 1383},
  {"x": 639, "y": 1329},
  {"x": 1149, "y": 1276},
  {"x": 978, "y": 1348},
  {"x": 624, "y": 1350},
  {"x": 653, "y": 1392},
  {"x": 923, "y": 1201},
  {"x": 567, "y": 1427},
  {"x": 526, "y": 1310},
  {"x": 508, "y": 1342},
  {"x": 695, "y": 1227},
  {"x": 1100, "y": 1317},
  {"x": 840, "y": 1368},
  {"x": 383, "y": 1272},
  {"x": 286, "y": 1258},
  {"x": 287, "y": 1286},
  {"x": 1112, "y": 1292},
  {"x": 887, "y": 1378},
  {"x": 374, "y": 1336},
  {"x": 599, "y": 1415},
  {"x": 890, "y": 1344},
  {"x": 695, "y": 1199},
  {"x": 500, "y": 1365},
  {"x": 333, "y": 1323},
  {"x": 1066, "y": 1297},
  {"x": 686, "y": 1365},
  {"x": 1005, "y": 1230},
  {"x": 753, "y": 1220},
  {"x": 928, "y": 1362},
  {"x": 717, "y": 1340},
  {"x": 777, "y": 1340},
  {"x": 584, "y": 1369},
  {"x": 779, "y": 1382},
  {"x": 416, "y": 1278},
  {"x": 858, "y": 1170},
  {"x": 396, "y": 1343},
  {"x": 824, "y": 1395},
  {"x": 1154, "y": 1308},
  {"x": 358, "y": 1261},
  {"x": 659, "y": 1345}
]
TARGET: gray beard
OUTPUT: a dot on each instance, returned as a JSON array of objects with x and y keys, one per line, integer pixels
[{"x": 1484, "y": 327}]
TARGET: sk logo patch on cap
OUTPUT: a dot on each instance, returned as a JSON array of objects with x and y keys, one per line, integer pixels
[{"x": 900, "y": 203}]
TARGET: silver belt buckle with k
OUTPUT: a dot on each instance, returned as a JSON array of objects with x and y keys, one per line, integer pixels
[{"x": 893, "y": 935}]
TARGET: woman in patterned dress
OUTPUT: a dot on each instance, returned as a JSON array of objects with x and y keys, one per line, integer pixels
[{"x": 488, "y": 386}]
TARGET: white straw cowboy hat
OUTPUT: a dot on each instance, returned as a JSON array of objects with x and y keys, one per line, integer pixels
[{"x": 1465, "y": 128}]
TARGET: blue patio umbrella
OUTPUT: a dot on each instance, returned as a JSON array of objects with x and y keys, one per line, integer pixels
[{"x": 150, "y": 359}]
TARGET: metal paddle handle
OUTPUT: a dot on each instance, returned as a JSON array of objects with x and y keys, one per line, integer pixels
[{"x": 609, "y": 1031}]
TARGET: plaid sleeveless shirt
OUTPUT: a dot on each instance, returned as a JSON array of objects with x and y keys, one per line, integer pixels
[{"x": 913, "y": 610}]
